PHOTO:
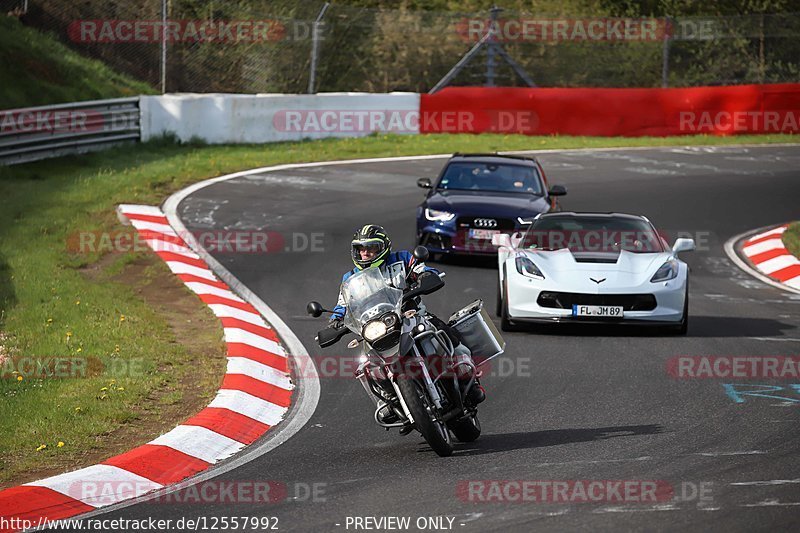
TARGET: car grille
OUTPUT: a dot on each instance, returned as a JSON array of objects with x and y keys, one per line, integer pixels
[
  {"x": 464, "y": 224},
  {"x": 565, "y": 300},
  {"x": 502, "y": 224}
]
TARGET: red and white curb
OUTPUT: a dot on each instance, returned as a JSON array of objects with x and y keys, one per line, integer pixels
[
  {"x": 255, "y": 395},
  {"x": 769, "y": 256}
]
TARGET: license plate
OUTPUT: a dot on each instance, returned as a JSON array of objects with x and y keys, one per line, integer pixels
[
  {"x": 607, "y": 311},
  {"x": 483, "y": 234}
]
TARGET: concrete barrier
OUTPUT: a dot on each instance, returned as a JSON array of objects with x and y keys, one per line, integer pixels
[{"x": 261, "y": 118}]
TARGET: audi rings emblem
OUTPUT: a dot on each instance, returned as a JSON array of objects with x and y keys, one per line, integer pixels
[{"x": 485, "y": 223}]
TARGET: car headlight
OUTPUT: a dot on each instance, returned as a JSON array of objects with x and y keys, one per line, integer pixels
[
  {"x": 666, "y": 272},
  {"x": 374, "y": 329},
  {"x": 526, "y": 267},
  {"x": 438, "y": 216}
]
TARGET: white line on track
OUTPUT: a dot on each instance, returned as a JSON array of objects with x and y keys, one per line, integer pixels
[
  {"x": 770, "y": 503},
  {"x": 727, "y": 454},
  {"x": 766, "y": 483}
]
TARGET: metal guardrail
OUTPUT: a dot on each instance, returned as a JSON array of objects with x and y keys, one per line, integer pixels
[{"x": 37, "y": 133}]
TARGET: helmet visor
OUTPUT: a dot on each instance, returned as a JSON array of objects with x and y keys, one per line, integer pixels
[{"x": 368, "y": 250}]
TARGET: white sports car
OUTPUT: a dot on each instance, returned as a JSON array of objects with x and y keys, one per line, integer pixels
[{"x": 592, "y": 267}]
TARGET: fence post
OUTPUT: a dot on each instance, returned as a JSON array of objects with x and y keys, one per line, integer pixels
[
  {"x": 163, "y": 46},
  {"x": 314, "y": 46},
  {"x": 665, "y": 52}
]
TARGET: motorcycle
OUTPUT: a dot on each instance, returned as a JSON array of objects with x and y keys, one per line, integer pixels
[{"x": 408, "y": 365}]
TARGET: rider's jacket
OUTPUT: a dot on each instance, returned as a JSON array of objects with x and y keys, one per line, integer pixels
[{"x": 394, "y": 268}]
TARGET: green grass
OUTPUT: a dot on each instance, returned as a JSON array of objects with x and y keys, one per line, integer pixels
[
  {"x": 44, "y": 71},
  {"x": 50, "y": 307},
  {"x": 791, "y": 239}
]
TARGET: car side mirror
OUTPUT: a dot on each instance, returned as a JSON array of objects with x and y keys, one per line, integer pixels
[
  {"x": 424, "y": 183},
  {"x": 683, "y": 245},
  {"x": 501, "y": 239},
  {"x": 557, "y": 190},
  {"x": 421, "y": 254}
]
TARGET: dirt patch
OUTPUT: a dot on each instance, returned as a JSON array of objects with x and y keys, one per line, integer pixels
[{"x": 199, "y": 372}]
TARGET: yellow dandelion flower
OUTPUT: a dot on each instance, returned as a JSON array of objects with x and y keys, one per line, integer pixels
[
  {"x": 77, "y": 302},
  {"x": 104, "y": 389},
  {"x": 79, "y": 349},
  {"x": 60, "y": 444},
  {"x": 49, "y": 320},
  {"x": 77, "y": 409},
  {"x": 122, "y": 318},
  {"x": 42, "y": 447},
  {"x": 121, "y": 388},
  {"x": 19, "y": 378}
]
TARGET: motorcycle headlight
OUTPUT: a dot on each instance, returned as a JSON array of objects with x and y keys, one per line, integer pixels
[
  {"x": 526, "y": 267},
  {"x": 666, "y": 272},
  {"x": 374, "y": 329},
  {"x": 438, "y": 216}
]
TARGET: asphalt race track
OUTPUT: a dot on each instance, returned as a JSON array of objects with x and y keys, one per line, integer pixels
[{"x": 566, "y": 404}]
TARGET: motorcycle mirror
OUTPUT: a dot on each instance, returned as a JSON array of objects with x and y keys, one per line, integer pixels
[
  {"x": 421, "y": 254},
  {"x": 314, "y": 309}
]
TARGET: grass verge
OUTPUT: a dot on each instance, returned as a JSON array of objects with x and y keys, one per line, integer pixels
[
  {"x": 44, "y": 71},
  {"x": 791, "y": 239},
  {"x": 145, "y": 373}
]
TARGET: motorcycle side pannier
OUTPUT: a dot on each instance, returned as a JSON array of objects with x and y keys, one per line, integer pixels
[{"x": 478, "y": 332}]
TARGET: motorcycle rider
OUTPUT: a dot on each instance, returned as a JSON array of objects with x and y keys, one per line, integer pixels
[{"x": 371, "y": 248}]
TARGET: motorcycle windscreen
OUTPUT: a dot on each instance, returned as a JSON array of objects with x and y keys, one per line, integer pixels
[
  {"x": 478, "y": 332},
  {"x": 367, "y": 295}
]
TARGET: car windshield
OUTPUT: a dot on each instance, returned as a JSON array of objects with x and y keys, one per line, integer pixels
[
  {"x": 491, "y": 177},
  {"x": 592, "y": 234}
]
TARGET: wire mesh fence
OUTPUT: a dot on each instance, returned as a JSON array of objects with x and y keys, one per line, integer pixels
[{"x": 254, "y": 47}]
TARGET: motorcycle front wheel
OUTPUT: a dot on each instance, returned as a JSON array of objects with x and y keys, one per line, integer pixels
[
  {"x": 468, "y": 429},
  {"x": 435, "y": 433}
]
